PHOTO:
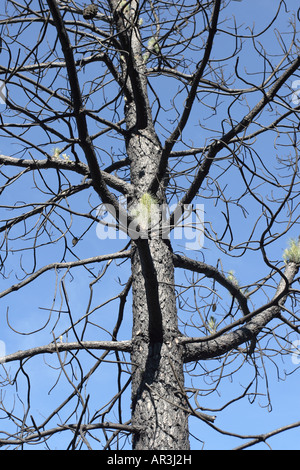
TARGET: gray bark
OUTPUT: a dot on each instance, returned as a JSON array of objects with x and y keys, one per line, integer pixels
[
  {"x": 157, "y": 400},
  {"x": 158, "y": 406}
]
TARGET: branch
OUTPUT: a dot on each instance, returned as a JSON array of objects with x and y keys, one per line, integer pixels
[
  {"x": 78, "y": 167},
  {"x": 196, "y": 79},
  {"x": 264, "y": 437},
  {"x": 23, "y": 78},
  {"x": 80, "y": 114},
  {"x": 212, "y": 272},
  {"x": 67, "y": 265},
  {"x": 124, "y": 346},
  {"x": 82, "y": 428},
  {"x": 133, "y": 65},
  {"x": 221, "y": 343},
  {"x": 170, "y": 142},
  {"x": 213, "y": 149},
  {"x": 39, "y": 208}
]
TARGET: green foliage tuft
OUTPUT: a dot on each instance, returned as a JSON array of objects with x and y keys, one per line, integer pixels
[
  {"x": 212, "y": 325},
  {"x": 231, "y": 277},
  {"x": 146, "y": 212},
  {"x": 57, "y": 154},
  {"x": 292, "y": 253}
]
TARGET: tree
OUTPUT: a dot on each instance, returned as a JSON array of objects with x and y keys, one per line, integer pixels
[{"x": 115, "y": 112}]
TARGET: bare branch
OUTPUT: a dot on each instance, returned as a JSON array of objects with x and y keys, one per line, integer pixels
[
  {"x": 122, "y": 346},
  {"x": 67, "y": 265}
]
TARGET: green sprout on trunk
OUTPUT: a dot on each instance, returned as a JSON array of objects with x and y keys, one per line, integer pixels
[{"x": 146, "y": 212}]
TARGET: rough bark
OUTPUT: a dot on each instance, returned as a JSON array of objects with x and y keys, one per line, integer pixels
[
  {"x": 221, "y": 342},
  {"x": 158, "y": 407},
  {"x": 158, "y": 353},
  {"x": 158, "y": 404}
]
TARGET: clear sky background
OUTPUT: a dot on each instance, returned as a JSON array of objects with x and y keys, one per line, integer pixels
[{"x": 23, "y": 309}]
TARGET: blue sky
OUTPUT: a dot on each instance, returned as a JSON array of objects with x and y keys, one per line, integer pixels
[{"x": 28, "y": 311}]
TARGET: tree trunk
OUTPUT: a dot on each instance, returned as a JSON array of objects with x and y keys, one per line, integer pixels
[
  {"x": 157, "y": 383},
  {"x": 158, "y": 405}
]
